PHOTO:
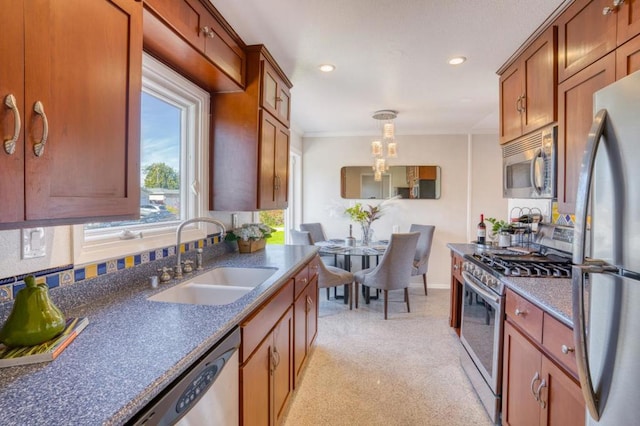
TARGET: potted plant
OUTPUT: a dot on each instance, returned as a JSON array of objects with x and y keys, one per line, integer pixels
[
  {"x": 250, "y": 236},
  {"x": 501, "y": 228}
]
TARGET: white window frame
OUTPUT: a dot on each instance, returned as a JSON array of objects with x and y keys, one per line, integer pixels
[{"x": 162, "y": 82}]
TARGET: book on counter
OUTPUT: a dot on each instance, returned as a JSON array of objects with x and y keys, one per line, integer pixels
[{"x": 47, "y": 351}]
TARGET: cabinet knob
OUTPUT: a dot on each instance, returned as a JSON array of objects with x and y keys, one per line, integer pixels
[
  {"x": 455, "y": 267},
  {"x": 518, "y": 312},
  {"x": 566, "y": 349},
  {"x": 608, "y": 10},
  {"x": 207, "y": 32},
  {"x": 10, "y": 144}
]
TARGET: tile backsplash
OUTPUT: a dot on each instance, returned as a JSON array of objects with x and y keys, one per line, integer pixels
[{"x": 70, "y": 274}]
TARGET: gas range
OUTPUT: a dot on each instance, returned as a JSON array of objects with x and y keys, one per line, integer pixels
[{"x": 552, "y": 260}]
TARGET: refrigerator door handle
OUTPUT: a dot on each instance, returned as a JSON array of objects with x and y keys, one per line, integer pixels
[{"x": 580, "y": 266}]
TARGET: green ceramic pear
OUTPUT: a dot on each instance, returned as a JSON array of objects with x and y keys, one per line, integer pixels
[{"x": 34, "y": 318}]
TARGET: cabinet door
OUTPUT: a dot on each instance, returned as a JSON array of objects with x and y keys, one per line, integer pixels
[
  {"x": 312, "y": 312},
  {"x": 584, "y": 36},
  {"x": 83, "y": 64},
  {"x": 274, "y": 163},
  {"x": 12, "y": 83},
  {"x": 283, "y": 371},
  {"x": 520, "y": 376},
  {"x": 561, "y": 399},
  {"x": 539, "y": 63},
  {"x": 511, "y": 94},
  {"x": 188, "y": 17},
  {"x": 255, "y": 377},
  {"x": 281, "y": 168},
  {"x": 275, "y": 96},
  {"x": 628, "y": 20},
  {"x": 300, "y": 332},
  {"x": 628, "y": 57},
  {"x": 575, "y": 116}
]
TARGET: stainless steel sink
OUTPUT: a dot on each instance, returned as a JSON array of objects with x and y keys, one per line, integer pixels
[{"x": 218, "y": 286}]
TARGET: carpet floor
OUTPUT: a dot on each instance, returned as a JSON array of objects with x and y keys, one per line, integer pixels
[{"x": 403, "y": 371}]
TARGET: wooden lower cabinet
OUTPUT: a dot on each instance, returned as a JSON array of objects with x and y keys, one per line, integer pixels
[
  {"x": 267, "y": 377},
  {"x": 535, "y": 390},
  {"x": 306, "y": 324},
  {"x": 455, "y": 310}
]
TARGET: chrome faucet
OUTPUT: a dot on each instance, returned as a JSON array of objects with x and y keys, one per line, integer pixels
[{"x": 178, "y": 273}]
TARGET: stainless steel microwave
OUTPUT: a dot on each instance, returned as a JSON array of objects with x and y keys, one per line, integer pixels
[{"x": 529, "y": 165}]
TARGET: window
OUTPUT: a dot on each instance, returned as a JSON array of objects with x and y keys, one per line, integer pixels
[{"x": 173, "y": 172}]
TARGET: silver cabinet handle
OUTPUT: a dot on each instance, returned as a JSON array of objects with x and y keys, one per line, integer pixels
[
  {"x": 518, "y": 312},
  {"x": 38, "y": 148},
  {"x": 523, "y": 106},
  {"x": 535, "y": 378},
  {"x": 10, "y": 144},
  {"x": 541, "y": 401},
  {"x": 566, "y": 349}
]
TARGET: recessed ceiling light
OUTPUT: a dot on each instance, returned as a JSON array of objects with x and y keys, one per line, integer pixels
[
  {"x": 457, "y": 60},
  {"x": 327, "y": 67}
]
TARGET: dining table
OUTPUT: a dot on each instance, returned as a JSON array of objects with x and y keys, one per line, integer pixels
[{"x": 338, "y": 247}]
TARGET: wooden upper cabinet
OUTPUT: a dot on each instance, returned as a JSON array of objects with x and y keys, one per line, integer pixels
[
  {"x": 575, "y": 116},
  {"x": 628, "y": 20},
  {"x": 584, "y": 35},
  {"x": 528, "y": 89},
  {"x": 12, "y": 118},
  {"x": 79, "y": 106},
  {"x": 197, "y": 41},
  {"x": 628, "y": 58},
  {"x": 250, "y": 156},
  {"x": 275, "y": 96}
]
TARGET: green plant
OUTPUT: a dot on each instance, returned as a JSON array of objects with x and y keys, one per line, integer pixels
[
  {"x": 364, "y": 216},
  {"x": 250, "y": 231},
  {"x": 498, "y": 225}
]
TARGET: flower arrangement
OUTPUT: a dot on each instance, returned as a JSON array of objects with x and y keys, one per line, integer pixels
[
  {"x": 499, "y": 225},
  {"x": 364, "y": 216},
  {"x": 250, "y": 231}
]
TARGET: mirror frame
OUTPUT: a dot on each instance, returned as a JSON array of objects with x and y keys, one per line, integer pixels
[{"x": 407, "y": 181}]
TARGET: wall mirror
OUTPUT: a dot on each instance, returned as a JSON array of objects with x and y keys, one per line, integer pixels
[{"x": 410, "y": 182}]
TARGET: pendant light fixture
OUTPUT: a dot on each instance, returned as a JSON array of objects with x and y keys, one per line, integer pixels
[{"x": 386, "y": 147}]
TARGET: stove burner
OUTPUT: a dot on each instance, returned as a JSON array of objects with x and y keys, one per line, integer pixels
[{"x": 533, "y": 265}]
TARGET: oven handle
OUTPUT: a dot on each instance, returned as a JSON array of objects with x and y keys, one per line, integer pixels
[{"x": 470, "y": 280}]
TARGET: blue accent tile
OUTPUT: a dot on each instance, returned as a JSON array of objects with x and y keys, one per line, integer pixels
[
  {"x": 137, "y": 259},
  {"x": 152, "y": 256},
  {"x": 165, "y": 252},
  {"x": 8, "y": 280},
  {"x": 53, "y": 281},
  {"x": 78, "y": 274},
  {"x": 120, "y": 263},
  {"x": 102, "y": 268},
  {"x": 17, "y": 287}
]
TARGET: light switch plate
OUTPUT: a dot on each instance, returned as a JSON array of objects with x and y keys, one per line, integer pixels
[{"x": 33, "y": 243}]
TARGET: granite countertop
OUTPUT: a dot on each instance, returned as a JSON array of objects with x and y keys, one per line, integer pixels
[
  {"x": 132, "y": 348},
  {"x": 553, "y": 295}
]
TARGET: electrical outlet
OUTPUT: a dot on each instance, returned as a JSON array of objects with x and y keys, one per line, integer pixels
[
  {"x": 6, "y": 292},
  {"x": 33, "y": 243}
]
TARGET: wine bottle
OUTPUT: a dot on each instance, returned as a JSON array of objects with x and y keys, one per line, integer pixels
[{"x": 482, "y": 231}]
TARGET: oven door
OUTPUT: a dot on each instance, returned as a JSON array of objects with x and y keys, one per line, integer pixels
[{"x": 481, "y": 329}]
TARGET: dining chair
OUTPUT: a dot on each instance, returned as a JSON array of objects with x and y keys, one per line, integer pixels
[
  {"x": 394, "y": 270},
  {"x": 316, "y": 231},
  {"x": 423, "y": 250},
  {"x": 300, "y": 238},
  {"x": 330, "y": 276}
]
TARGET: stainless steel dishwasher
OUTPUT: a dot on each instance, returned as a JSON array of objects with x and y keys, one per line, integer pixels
[{"x": 206, "y": 394}]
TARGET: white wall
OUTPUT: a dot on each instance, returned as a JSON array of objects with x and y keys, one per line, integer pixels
[{"x": 459, "y": 156}]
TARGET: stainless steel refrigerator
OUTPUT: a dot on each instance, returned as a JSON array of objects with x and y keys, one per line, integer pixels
[{"x": 606, "y": 271}]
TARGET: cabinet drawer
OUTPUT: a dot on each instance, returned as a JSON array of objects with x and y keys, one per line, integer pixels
[
  {"x": 557, "y": 338},
  {"x": 262, "y": 320},
  {"x": 525, "y": 315},
  {"x": 301, "y": 280}
]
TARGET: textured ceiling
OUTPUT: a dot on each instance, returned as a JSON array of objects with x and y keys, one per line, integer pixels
[{"x": 390, "y": 54}]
